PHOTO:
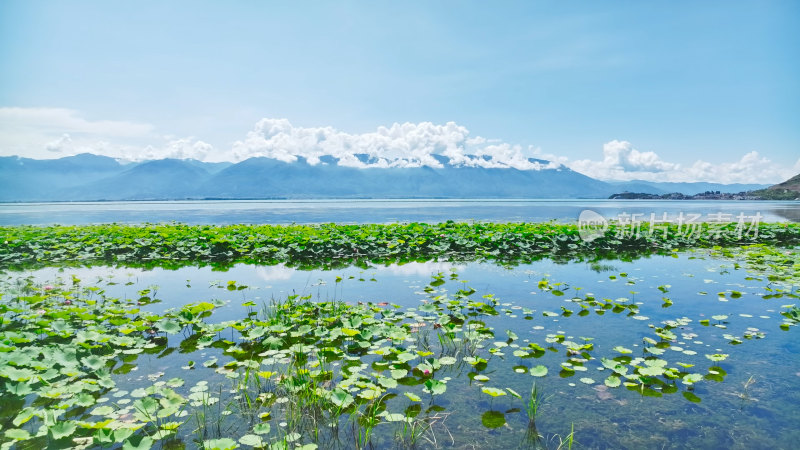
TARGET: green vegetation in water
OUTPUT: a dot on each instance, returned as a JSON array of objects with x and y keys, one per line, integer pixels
[
  {"x": 305, "y": 374},
  {"x": 331, "y": 245},
  {"x": 299, "y": 373},
  {"x": 299, "y": 370}
]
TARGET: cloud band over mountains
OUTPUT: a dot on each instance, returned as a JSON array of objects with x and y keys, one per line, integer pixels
[
  {"x": 399, "y": 145},
  {"x": 56, "y": 132}
]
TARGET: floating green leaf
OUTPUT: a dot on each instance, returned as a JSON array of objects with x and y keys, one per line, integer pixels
[
  {"x": 493, "y": 419},
  {"x": 17, "y": 434},
  {"x": 251, "y": 440},
  {"x": 538, "y": 371},
  {"x": 341, "y": 398},
  {"x": 93, "y": 362},
  {"x": 169, "y": 326},
  {"x": 691, "y": 397},
  {"x": 139, "y": 442},
  {"x": 261, "y": 428},
  {"x": 62, "y": 429},
  {"x": 413, "y": 397},
  {"x": 692, "y": 378},
  {"x": 435, "y": 387},
  {"x": 220, "y": 444},
  {"x": 494, "y": 392},
  {"x": 612, "y": 381}
]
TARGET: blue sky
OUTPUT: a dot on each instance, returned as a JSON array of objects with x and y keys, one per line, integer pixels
[{"x": 674, "y": 90}]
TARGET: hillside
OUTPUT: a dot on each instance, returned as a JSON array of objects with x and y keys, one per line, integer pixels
[
  {"x": 153, "y": 180},
  {"x": 91, "y": 178},
  {"x": 788, "y": 190},
  {"x": 25, "y": 179},
  {"x": 792, "y": 184}
]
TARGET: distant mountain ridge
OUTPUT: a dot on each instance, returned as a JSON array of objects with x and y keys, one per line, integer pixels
[
  {"x": 88, "y": 177},
  {"x": 654, "y": 187}
]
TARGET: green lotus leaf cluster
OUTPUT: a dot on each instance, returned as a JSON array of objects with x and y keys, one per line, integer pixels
[{"x": 333, "y": 245}]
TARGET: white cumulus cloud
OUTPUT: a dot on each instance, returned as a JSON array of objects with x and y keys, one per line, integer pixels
[
  {"x": 399, "y": 145},
  {"x": 621, "y": 161},
  {"x": 58, "y": 132},
  {"x": 750, "y": 168},
  {"x": 184, "y": 148}
]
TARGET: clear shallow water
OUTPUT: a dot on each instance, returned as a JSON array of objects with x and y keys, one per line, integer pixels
[
  {"x": 376, "y": 211},
  {"x": 763, "y": 414}
]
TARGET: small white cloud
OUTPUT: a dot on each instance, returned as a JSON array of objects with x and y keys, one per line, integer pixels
[
  {"x": 556, "y": 161},
  {"x": 186, "y": 148},
  {"x": 58, "y": 132},
  {"x": 275, "y": 273},
  {"x": 424, "y": 269},
  {"x": 60, "y": 145}
]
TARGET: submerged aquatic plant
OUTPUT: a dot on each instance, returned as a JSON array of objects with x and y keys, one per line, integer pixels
[
  {"x": 534, "y": 401},
  {"x": 745, "y": 394},
  {"x": 569, "y": 440}
]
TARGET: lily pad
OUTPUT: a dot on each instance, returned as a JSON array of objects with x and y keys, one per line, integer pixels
[
  {"x": 494, "y": 392},
  {"x": 612, "y": 381},
  {"x": 62, "y": 429},
  {"x": 493, "y": 419},
  {"x": 435, "y": 387},
  {"x": 220, "y": 444},
  {"x": 538, "y": 371}
]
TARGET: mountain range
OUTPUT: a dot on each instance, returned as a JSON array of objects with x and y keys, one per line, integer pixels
[{"x": 88, "y": 177}]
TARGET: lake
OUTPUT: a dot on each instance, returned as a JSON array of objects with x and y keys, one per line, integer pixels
[
  {"x": 730, "y": 379},
  {"x": 690, "y": 350},
  {"x": 381, "y": 211}
]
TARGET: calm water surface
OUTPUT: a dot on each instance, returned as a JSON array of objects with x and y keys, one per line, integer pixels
[{"x": 377, "y": 211}]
